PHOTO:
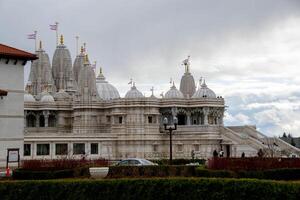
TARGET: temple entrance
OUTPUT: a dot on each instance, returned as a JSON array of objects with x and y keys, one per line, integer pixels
[{"x": 181, "y": 119}]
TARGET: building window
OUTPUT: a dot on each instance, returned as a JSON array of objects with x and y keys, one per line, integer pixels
[
  {"x": 155, "y": 148},
  {"x": 120, "y": 120},
  {"x": 196, "y": 147},
  {"x": 94, "y": 148},
  {"x": 61, "y": 149},
  {"x": 150, "y": 120},
  {"x": 78, "y": 148},
  {"x": 43, "y": 149},
  {"x": 108, "y": 119},
  {"x": 179, "y": 147},
  {"x": 27, "y": 149}
]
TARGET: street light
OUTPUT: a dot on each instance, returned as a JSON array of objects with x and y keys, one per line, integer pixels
[{"x": 170, "y": 129}]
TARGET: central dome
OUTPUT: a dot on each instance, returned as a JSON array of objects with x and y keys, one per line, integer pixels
[{"x": 106, "y": 90}]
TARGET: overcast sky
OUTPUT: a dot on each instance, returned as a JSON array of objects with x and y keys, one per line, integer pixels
[{"x": 248, "y": 51}]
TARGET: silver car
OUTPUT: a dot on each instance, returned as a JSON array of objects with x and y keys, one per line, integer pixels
[{"x": 135, "y": 162}]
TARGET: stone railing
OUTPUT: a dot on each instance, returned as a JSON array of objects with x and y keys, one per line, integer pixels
[{"x": 195, "y": 128}]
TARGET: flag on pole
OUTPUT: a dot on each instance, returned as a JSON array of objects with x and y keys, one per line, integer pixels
[
  {"x": 53, "y": 27},
  {"x": 31, "y": 36},
  {"x": 130, "y": 83}
]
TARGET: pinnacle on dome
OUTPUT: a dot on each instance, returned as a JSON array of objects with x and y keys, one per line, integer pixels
[
  {"x": 100, "y": 75},
  {"x": 86, "y": 59},
  {"x": 61, "y": 39}
]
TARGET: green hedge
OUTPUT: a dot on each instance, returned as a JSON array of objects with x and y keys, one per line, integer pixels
[
  {"x": 148, "y": 189},
  {"x": 24, "y": 174},
  {"x": 193, "y": 171},
  {"x": 151, "y": 171},
  {"x": 179, "y": 161}
]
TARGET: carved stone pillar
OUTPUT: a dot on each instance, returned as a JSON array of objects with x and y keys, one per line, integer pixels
[
  {"x": 37, "y": 120},
  {"x": 46, "y": 117},
  {"x": 205, "y": 113},
  {"x": 25, "y": 116},
  {"x": 188, "y": 118}
]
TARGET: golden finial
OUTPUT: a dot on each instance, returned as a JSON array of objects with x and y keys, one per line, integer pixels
[
  {"x": 86, "y": 59},
  {"x": 81, "y": 50},
  {"x": 61, "y": 39}
]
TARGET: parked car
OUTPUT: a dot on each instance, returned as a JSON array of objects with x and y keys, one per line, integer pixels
[{"x": 135, "y": 162}]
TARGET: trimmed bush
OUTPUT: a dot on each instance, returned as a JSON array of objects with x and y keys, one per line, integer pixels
[
  {"x": 193, "y": 171},
  {"x": 25, "y": 174},
  {"x": 274, "y": 174},
  {"x": 179, "y": 161},
  {"x": 151, "y": 171},
  {"x": 60, "y": 164},
  {"x": 148, "y": 189},
  {"x": 215, "y": 173},
  {"x": 255, "y": 163}
]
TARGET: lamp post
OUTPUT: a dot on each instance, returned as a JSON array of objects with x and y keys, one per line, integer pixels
[{"x": 170, "y": 129}]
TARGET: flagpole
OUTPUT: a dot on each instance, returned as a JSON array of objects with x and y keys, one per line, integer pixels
[
  {"x": 35, "y": 44},
  {"x": 56, "y": 23}
]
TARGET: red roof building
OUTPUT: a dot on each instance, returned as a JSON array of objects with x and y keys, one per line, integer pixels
[{"x": 13, "y": 53}]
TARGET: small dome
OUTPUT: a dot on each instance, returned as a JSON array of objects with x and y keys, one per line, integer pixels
[
  {"x": 174, "y": 93},
  {"x": 106, "y": 90},
  {"x": 28, "y": 97},
  {"x": 47, "y": 98},
  {"x": 61, "y": 96},
  {"x": 204, "y": 92},
  {"x": 133, "y": 93}
]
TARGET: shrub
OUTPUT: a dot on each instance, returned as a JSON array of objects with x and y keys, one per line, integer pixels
[
  {"x": 151, "y": 171},
  {"x": 179, "y": 161},
  {"x": 58, "y": 164},
  {"x": 148, "y": 189},
  {"x": 255, "y": 163},
  {"x": 215, "y": 173},
  {"x": 25, "y": 174}
]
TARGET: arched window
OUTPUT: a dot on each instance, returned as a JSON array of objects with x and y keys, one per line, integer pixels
[
  {"x": 30, "y": 120},
  {"x": 52, "y": 121},
  {"x": 42, "y": 121}
]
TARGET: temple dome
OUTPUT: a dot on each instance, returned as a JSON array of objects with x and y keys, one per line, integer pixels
[
  {"x": 204, "y": 92},
  {"x": 62, "y": 96},
  {"x": 47, "y": 97},
  {"x": 173, "y": 93},
  {"x": 87, "y": 82},
  {"x": 40, "y": 73},
  {"x": 28, "y": 97},
  {"x": 78, "y": 65},
  {"x": 62, "y": 70},
  {"x": 106, "y": 90},
  {"x": 134, "y": 93}
]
